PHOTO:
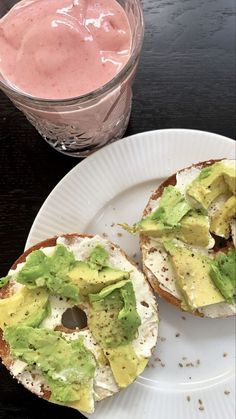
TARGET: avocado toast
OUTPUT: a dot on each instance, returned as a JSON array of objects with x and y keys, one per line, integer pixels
[
  {"x": 76, "y": 366},
  {"x": 187, "y": 238}
]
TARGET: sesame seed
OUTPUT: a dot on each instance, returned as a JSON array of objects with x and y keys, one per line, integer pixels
[
  {"x": 227, "y": 392},
  {"x": 201, "y": 408},
  {"x": 200, "y": 401}
]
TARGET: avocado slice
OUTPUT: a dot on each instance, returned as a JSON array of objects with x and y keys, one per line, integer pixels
[
  {"x": 193, "y": 229},
  {"x": 28, "y": 307},
  {"x": 219, "y": 224},
  {"x": 67, "y": 366},
  {"x": 171, "y": 209},
  {"x": 113, "y": 318},
  {"x": 223, "y": 274},
  {"x": 212, "y": 181},
  {"x": 192, "y": 277},
  {"x": 98, "y": 257},
  {"x": 50, "y": 272},
  {"x": 125, "y": 364},
  {"x": 90, "y": 280}
]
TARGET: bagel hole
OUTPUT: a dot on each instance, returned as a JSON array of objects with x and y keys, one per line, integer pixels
[{"x": 74, "y": 318}]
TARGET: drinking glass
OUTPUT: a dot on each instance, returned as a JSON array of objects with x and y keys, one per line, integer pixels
[{"x": 78, "y": 126}]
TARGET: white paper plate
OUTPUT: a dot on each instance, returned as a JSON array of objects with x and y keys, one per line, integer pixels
[{"x": 113, "y": 186}]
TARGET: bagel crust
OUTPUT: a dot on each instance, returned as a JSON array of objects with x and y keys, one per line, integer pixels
[
  {"x": 220, "y": 244},
  {"x": 42, "y": 390}
]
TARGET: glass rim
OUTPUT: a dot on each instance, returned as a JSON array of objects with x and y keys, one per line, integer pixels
[{"x": 8, "y": 88}]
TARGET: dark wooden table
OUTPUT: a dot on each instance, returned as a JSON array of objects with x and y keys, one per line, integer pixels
[{"x": 186, "y": 79}]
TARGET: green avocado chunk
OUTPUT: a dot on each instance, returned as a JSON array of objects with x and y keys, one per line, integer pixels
[
  {"x": 171, "y": 209},
  {"x": 28, "y": 307},
  {"x": 113, "y": 318},
  {"x": 4, "y": 280},
  {"x": 64, "y": 364},
  {"x": 98, "y": 257},
  {"x": 212, "y": 181},
  {"x": 192, "y": 277},
  {"x": 223, "y": 274},
  {"x": 90, "y": 280},
  {"x": 221, "y": 219},
  {"x": 50, "y": 271}
]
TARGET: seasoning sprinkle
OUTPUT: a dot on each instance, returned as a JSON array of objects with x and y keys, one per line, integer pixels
[
  {"x": 227, "y": 392},
  {"x": 180, "y": 364},
  {"x": 225, "y": 354},
  {"x": 188, "y": 398},
  {"x": 201, "y": 408},
  {"x": 183, "y": 318},
  {"x": 177, "y": 335},
  {"x": 163, "y": 339}
]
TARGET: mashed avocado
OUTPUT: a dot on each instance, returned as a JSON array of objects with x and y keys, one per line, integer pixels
[
  {"x": 223, "y": 274},
  {"x": 65, "y": 365}
]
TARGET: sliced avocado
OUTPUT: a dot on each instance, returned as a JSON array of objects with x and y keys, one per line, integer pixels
[
  {"x": 28, "y": 307},
  {"x": 90, "y": 280},
  {"x": 192, "y": 277},
  {"x": 219, "y": 224},
  {"x": 98, "y": 257},
  {"x": 193, "y": 229},
  {"x": 223, "y": 274},
  {"x": 171, "y": 209},
  {"x": 85, "y": 394},
  {"x": 211, "y": 182},
  {"x": 113, "y": 318},
  {"x": 230, "y": 177},
  {"x": 50, "y": 271},
  {"x": 64, "y": 364},
  {"x": 4, "y": 280},
  {"x": 125, "y": 364}
]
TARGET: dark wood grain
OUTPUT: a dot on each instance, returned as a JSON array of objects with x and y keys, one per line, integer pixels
[{"x": 186, "y": 79}]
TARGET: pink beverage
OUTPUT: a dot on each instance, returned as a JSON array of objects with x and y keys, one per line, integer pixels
[{"x": 66, "y": 65}]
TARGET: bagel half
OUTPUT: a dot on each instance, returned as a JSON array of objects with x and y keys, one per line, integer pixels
[
  {"x": 162, "y": 278},
  {"x": 104, "y": 382}
]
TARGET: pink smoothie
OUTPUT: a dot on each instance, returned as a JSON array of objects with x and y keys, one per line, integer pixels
[{"x": 57, "y": 49}]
